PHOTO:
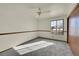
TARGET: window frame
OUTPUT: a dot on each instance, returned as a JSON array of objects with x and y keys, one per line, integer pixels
[{"x": 56, "y": 26}]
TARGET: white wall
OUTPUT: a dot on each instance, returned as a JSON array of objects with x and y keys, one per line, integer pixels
[
  {"x": 44, "y": 24},
  {"x": 13, "y": 18}
]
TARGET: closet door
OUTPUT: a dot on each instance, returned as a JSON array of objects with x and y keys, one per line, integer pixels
[{"x": 73, "y": 32}]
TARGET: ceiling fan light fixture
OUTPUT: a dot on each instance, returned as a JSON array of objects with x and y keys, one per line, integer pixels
[{"x": 39, "y": 12}]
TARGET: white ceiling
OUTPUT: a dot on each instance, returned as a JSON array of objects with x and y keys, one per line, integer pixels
[{"x": 50, "y": 9}]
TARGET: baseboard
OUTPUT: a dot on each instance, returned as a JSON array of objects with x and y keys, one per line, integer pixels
[
  {"x": 52, "y": 39},
  {"x": 28, "y": 41}
]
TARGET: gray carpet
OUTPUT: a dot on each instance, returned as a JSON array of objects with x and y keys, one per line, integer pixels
[{"x": 58, "y": 49}]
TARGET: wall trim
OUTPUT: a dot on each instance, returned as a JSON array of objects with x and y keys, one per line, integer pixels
[
  {"x": 17, "y": 32},
  {"x": 9, "y": 33},
  {"x": 53, "y": 39},
  {"x": 28, "y": 41}
]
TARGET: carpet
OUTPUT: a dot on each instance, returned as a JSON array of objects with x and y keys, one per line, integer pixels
[{"x": 27, "y": 48}]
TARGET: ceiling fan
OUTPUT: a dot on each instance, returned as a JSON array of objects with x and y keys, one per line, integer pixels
[{"x": 40, "y": 11}]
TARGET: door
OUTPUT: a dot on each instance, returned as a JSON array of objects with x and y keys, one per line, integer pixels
[{"x": 73, "y": 32}]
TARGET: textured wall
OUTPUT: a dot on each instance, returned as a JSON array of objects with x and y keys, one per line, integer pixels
[{"x": 15, "y": 18}]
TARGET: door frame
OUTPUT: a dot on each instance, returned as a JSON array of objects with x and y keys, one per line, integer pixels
[{"x": 68, "y": 30}]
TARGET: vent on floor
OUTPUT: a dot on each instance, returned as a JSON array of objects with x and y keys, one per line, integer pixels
[{"x": 23, "y": 49}]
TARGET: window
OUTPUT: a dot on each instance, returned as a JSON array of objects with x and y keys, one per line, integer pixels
[{"x": 57, "y": 26}]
